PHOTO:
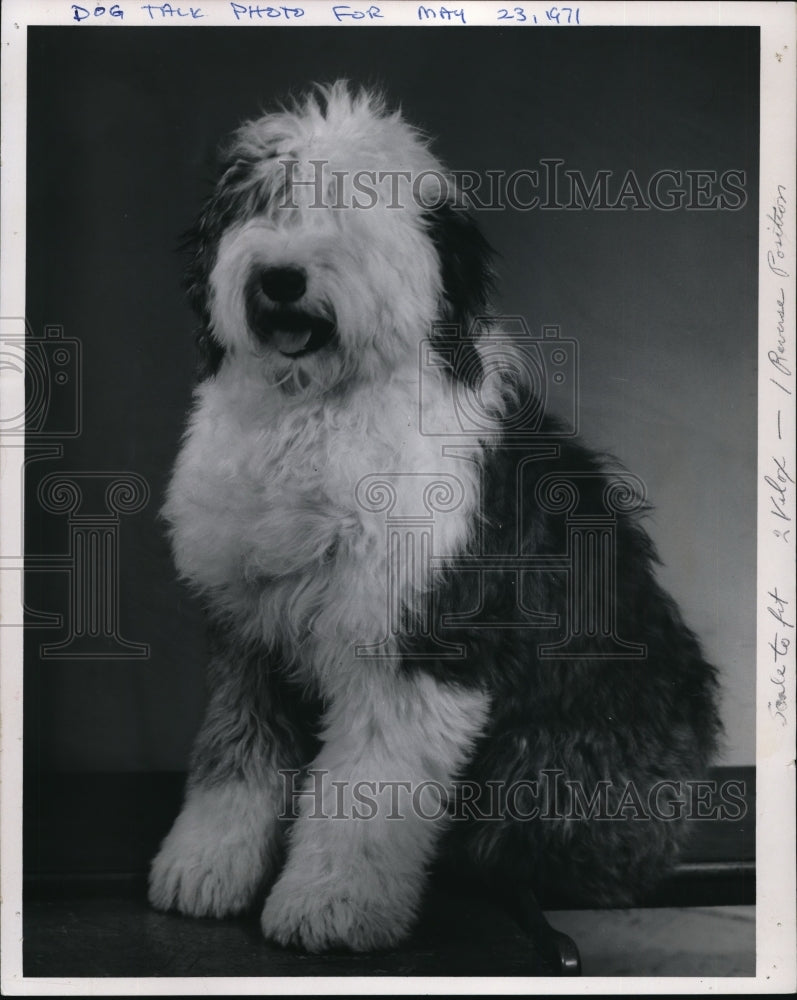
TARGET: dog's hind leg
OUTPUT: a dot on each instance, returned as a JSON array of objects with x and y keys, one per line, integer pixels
[
  {"x": 226, "y": 842},
  {"x": 359, "y": 851}
]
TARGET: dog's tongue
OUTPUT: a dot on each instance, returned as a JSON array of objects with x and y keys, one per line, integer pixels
[{"x": 291, "y": 341}]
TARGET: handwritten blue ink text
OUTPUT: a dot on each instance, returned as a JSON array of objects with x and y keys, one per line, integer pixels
[
  {"x": 81, "y": 13},
  {"x": 159, "y": 11},
  {"x": 441, "y": 13},
  {"x": 342, "y": 11},
  {"x": 254, "y": 12}
]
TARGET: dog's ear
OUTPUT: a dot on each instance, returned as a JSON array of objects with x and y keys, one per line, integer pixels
[
  {"x": 465, "y": 263},
  {"x": 200, "y": 245},
  {"x": 200, "y": 251},
  {"x": 195, "y": 246},
  {"x": 467, "y": 277},
  {"x": 210, "y": 354},
  {"x": 234, "y": 197}
]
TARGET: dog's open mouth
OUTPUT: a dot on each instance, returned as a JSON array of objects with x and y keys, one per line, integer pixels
[{"x": 294, "y": 332}]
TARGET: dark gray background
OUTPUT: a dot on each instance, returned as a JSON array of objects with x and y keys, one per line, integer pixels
[{"x": 122, "y": 131}]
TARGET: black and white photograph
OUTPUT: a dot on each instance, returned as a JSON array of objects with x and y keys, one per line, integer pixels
[{"x": 397, "y": 559}]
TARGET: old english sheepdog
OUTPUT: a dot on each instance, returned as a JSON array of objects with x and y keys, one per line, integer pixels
[{"x": 436, "y": 631}]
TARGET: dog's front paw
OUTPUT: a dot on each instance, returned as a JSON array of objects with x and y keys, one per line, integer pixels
[
  {"x": 215, "y": 858},
  {"x": 369, "y": 910}
]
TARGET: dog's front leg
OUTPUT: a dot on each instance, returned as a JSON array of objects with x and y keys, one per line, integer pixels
[
  {"x": 226, "y": 841},
  {"x": 372, "y": 811}
]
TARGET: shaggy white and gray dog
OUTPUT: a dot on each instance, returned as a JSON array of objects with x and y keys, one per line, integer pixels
[{"x": 321, "y": 521}]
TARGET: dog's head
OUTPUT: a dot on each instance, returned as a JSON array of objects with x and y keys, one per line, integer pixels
[{"x": 332, "y": 244}]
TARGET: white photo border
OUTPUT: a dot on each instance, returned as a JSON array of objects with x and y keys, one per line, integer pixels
[{"x": 775, "y": 928}]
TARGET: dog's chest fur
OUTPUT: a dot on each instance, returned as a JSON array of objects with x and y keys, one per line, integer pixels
[{"x": 280, "y": 509}]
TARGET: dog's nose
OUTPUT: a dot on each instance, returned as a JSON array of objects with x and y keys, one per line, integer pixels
[{"x": 284, "y": 284}]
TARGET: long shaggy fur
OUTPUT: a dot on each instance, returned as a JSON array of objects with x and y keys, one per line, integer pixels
[{"x": 369, "y": 623}]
